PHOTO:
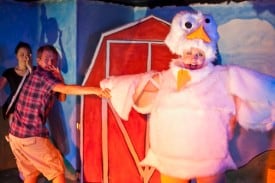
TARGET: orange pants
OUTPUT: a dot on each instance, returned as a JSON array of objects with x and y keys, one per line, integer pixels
[
  {"x": 219, "y": 178},
  {"x": 270, "y": 176},
  {"x": 168, "y": 179}
]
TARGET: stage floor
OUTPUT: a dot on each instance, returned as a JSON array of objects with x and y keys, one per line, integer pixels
[{"x": 12, "y": 176}]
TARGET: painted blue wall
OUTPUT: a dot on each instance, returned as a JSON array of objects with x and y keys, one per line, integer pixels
[{"x": 41, "y": 23}]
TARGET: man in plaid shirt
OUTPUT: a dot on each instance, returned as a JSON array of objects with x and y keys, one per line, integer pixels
[{"x": 28, "y": 136}]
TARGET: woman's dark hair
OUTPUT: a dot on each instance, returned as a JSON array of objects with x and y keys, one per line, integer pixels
[{"x": 22, "y": 45}]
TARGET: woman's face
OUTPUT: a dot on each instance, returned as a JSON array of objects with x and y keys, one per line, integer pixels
[
  {"x": 23, "y": 56},
  {"x": 193, "y": 59}
]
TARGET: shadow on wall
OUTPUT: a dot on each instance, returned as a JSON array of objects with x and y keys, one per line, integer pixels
[{"x": 51, "y": 34}]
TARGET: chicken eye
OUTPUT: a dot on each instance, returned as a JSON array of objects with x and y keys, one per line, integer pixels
[
  {"x": 188, "y": 25},
  {"x": 207, "y": 20}
]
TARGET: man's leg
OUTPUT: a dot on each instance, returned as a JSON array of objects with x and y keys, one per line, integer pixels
[
  {"x": 168, "y": 179},
  {"x": 270, "y": 175},
  {"x": 219, "y": 178},
  {"x": 59, "y": 179},
  {"x": 30, "y": 179}
]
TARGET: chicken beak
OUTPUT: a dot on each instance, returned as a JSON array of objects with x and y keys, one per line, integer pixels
[{"x": 199, "y": 34}]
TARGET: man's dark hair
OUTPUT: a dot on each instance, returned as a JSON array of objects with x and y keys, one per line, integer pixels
[{"x": 48, "y": 48}]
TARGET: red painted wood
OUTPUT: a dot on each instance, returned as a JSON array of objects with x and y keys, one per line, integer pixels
[{"x": 125, "y": 59}]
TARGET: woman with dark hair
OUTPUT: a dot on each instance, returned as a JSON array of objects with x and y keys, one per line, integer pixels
[{"x": 13, "y": 76}]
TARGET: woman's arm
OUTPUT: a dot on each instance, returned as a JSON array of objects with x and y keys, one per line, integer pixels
[
  {"x": 3, "y": 82},
  {"x": 144, "y": 95}
]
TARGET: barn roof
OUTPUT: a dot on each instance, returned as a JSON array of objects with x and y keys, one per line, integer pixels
[{"x": 131, "y": 31}]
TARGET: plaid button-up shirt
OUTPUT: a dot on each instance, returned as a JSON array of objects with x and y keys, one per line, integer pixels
[{"x": 34, "y": 102}]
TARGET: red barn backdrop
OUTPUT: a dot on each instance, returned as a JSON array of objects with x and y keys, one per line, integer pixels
[{"x": 110, "y": 147}]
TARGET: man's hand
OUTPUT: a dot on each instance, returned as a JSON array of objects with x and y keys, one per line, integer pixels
[
  {"x": 56, "y": 72},
  {"x": 104, "y": 93}
]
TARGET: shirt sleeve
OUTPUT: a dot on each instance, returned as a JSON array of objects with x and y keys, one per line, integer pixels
[
  {"x": 50, "y": 81},
  {"x": 6, "y": 73},
  {"x": 122, "y": 91}
]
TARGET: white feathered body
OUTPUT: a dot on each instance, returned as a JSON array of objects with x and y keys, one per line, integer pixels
[{"x": 189, "y": 129}]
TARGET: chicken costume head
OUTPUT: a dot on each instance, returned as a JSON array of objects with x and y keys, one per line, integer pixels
[{"x": 193, "y": 29}]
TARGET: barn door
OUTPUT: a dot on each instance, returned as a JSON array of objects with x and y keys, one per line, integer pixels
[
  {"x": 125, "y": 143},
  {"x": 111, "y": 148}
]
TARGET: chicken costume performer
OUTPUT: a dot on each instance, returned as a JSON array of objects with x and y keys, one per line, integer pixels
[{"x": 191, "y": 110}]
